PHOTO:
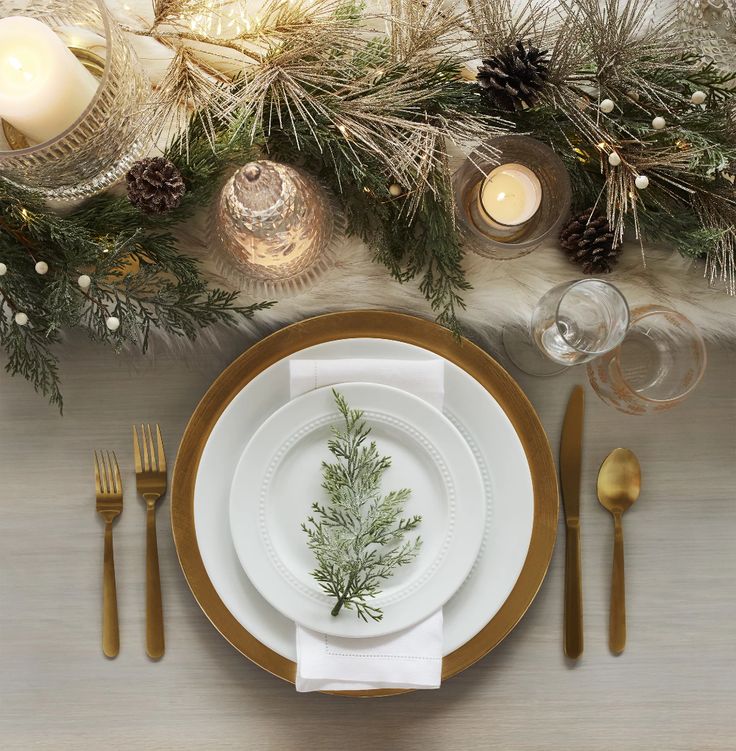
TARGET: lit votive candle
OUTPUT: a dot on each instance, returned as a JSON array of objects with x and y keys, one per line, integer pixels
[
  {"x": 511, "y": 194},
  {"x": 43, "y": 87}
]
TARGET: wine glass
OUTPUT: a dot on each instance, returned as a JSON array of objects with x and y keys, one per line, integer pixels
[
  {"x": 658, "y": 364},
  {"x": 572, "y": 323}
]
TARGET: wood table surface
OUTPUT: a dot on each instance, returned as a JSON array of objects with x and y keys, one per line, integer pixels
[{"x": 673, "y": 688}]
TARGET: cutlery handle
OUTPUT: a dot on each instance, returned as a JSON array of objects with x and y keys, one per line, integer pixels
[
  {"x": 573, "y": 594},
  {"x": 110, "y": 631},
  {"x": 617, "y": 623},
  {"x": 154, "y": 608}
]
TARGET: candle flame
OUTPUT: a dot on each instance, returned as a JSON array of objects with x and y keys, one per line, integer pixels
[{"x": 501, "y": 196}]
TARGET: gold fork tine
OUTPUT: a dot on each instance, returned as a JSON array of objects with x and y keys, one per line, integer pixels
[
  {"x": 117, "y": 481},
  {"x": 103, "y": 476},
  {"x": 98, "y": 485},
  {"x": 137, "y": 451},
  {"x": 108, "y": 473},
  {"x": 146, "y": 456},
  {"x": 161, "y": 453},
  {"x": 151, "y": 449}
]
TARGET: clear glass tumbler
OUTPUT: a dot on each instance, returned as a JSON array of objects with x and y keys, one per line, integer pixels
[
  {"x": 572, "y": 323},
  {"x": 659, "y": 363}
]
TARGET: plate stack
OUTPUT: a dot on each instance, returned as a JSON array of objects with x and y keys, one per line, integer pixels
[{"x": 461, "y": 435}]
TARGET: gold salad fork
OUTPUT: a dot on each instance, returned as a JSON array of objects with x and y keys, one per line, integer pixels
[
  {"x": 150, "y": 477},
  {"x": 109, "y": 490}
]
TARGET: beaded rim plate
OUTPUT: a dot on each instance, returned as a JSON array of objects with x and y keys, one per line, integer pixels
[
  {"x": 371, "y": 325},
  {"x": 429, "y": 456}
]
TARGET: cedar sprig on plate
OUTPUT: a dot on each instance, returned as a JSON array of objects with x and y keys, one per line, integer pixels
[{"x": 359, "y": 536}]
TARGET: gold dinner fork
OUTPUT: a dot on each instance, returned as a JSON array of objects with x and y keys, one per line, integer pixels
[
  {"x": 150, "y": 477},
  {"x": 109, "y": 490}
]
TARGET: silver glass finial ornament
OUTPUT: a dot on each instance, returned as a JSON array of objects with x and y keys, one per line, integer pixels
[{"x": 273, "y": 227}]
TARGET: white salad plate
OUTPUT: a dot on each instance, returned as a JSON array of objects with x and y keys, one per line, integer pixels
[
  {"x": 498, "y": 451},
  {"x": 279, "y": 477}
]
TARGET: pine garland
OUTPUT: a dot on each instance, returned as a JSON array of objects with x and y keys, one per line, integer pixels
[{"x": 312, "y": 82}]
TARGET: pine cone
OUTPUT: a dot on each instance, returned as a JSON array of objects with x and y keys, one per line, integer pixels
[
  {"x": 155, "y": 185},
  {"x": 589, "y": 242},
  {"x": 513, "y": 78}
]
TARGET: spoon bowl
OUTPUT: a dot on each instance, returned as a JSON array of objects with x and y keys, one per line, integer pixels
[
  {"x": 619, "y": 484},
  {"x": 619, "y": 480}
]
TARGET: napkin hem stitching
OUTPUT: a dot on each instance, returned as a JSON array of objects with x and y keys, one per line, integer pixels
[{"x": 375, "y": 656}]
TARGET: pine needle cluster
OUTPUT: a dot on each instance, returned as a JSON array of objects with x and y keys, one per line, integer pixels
[{"x": 358, "y": 536}]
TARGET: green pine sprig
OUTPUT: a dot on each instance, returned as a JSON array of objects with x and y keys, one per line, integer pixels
[{"x": 358, "y": 536}]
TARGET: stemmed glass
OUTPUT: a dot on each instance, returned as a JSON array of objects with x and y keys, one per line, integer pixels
[{"x": 572, "y": 323}]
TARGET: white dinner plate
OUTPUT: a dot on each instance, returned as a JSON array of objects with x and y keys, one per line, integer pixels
[
  {"x": 279, "y": 477},
  {"x": 482, "y": 422}
]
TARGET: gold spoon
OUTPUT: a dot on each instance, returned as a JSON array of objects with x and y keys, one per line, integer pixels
[{"x": 619, "y": 483}]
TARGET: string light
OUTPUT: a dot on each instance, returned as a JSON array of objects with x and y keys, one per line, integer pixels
[{"x": 222, "y": 18}]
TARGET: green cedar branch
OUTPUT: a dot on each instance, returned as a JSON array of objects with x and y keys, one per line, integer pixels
[{"x": 358, "y": 536}]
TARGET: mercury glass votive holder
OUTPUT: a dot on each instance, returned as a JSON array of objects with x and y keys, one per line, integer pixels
[
  {"x": 509, "y": 204},
  {"x": 272, "y": 228},
  {"x": 103, "y": 141}
]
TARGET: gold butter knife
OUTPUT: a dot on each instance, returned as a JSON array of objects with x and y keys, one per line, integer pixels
[{"x": 571, "y": 448}]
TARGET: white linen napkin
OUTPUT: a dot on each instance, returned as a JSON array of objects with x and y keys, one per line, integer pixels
[{"x": 408, "y": 659}]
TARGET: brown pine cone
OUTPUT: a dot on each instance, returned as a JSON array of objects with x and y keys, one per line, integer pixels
[
  {"x": 155, "y": 185},
  {"x": 588, "y": 241},
  {"x": 513, "y": 78}
]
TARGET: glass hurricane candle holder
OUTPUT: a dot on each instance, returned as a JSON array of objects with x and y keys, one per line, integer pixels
[
  {"x": 658, "y": 364},
  {"x": 71, "y": 97},
  {"x": 509, "y": 209}
]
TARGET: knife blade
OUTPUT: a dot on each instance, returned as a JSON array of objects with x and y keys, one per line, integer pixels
[{"x": 571, "y": 449}]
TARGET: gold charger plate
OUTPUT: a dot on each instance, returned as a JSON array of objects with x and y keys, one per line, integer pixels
[{"x": 377, "y": 325}]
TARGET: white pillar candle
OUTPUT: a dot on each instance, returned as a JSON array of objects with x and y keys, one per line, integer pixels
[
  {"x": 511, "y": 194},
  {"x": 43, "y": 87}
]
